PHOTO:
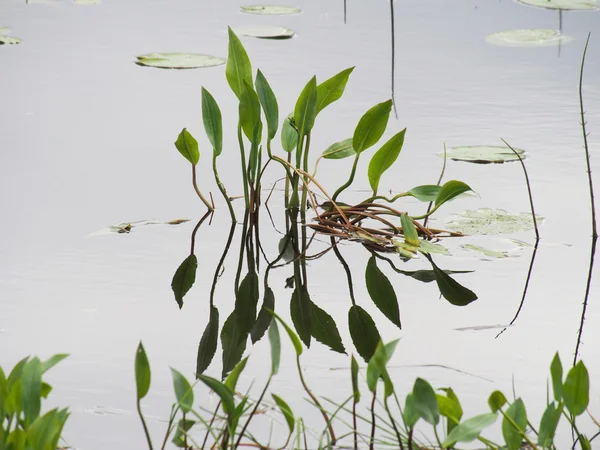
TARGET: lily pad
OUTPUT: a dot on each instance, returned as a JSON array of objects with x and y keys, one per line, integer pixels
[
  {"x": 484, "y": 154},
  {"x": 265, "y": 32},
  {"x": 489, "y": 221},
  {"x": 563, "y": 4},
  {"x": 271, "y": 10},
  {"x": 9, "y": 40},
  {"x": 528, "y": 38},
  {"x": 178, "y": 60}
]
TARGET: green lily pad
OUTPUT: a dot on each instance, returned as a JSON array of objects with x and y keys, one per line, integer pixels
[
  {"x": 178, "y": 60},
  {"x": 563, "y": 4},
  {"x": 271, "y": 10},
  {"x": 265, "y": 32},
  {"x": 484, "y": 154},
  {"x": 4, "y": 30},
  {"x": 528, "y": 38},
  {"x": 9, "y": 40},
  {"x": 489, "y": 221}
]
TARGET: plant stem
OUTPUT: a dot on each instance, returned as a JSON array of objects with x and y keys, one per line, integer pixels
[
  {"x": 170, "y": 426},
  {"x": 243, "y": 160},
  {"x": 372, "y": 441},
  {"x": 350, "y": 180},
  {"x": 438, "y": 183},
  {"x": 208, "y": 205},
  {"x": 387, "y": 408},
  {"x": 139, "y": 409},
  {"x": 305, "y": 168},
  {"x": 222, "y": 189}
]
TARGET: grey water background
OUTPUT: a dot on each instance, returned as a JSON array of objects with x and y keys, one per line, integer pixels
[{"x": 86, "y": 141}]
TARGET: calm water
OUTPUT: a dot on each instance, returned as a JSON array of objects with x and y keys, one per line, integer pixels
[{"x": 87, "y": 141}]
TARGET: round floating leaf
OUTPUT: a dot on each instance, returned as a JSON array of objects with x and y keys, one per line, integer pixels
[
  {"x": 484, "y": 154},
  {"x": 9, "y": 40},
  {"x": 491, "y": 221},
  {"x": 528, "y": 38},
  {"x": 178, "y": 60},
  {"x": 270, "y": 10},
  {"x": 265, "y": 32},
  {"x": 563, "y": 4}
]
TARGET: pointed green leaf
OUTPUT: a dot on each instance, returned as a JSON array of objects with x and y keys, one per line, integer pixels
[
  {"x": 208, "y": 343},
  {"x": 363, "y": 332},
  {"x": 268, "y": 102},
  {"x": 450, "y": 408},
  {"x": 332, "y": 89},
  {"x": 513, "y": 436},
  {"x": 289, "y": 134},
  {"x": 184, "y": 278},
  {"x": 233, "y": 341},
  {"x": 382, "y": 292},
  {"x": 585, "y": 442},
  {"x": 233, "y": 377},
  {"x": 425, "y": 402},
  {"x": 411, "y": 417},
  {"x": 339, "y": 150},
  {"x": 576, "y": 390},
  {"x": 275, "y": 342},
  {"x": 305, "y": 111},
  {"x": 286, "y": 411},
  {"x": 293, "y": 337},
  {"x": 450, "y": 190},
  {"x": 470, "y": 429},
  {"x": 46, "y": 389},
  {"x": 324, "y": 329},
  {"x": 548, "y": 425},
  {"x": 142, "y": 372},
  {"x": 221, "y": 390},
  {"x": 301, "y": 313},
  {"x": 16, "y": 440},
  {"x": 354, "y": 376},
  {"x": 31, "y": 390},
  {"x": 371, "y": 126},
  {"x": 249, "y": 110},
  {"x": 45, "y": 430},
  {"x": 213, "y": 123},
  {"x": 496, "y": 401},
  {"x": 183, "y": 391},
  {"x": 238, "y": 67},
  {"x": 451, "y": 290},
  {"x": 52, "y": 361},
  {"x": 264, "y": 318},
  {"x": 425, "y": 193},
  {"x": 377, "y": 367},
  {"x": 384, "y": 158},
  {"x": 246, "y": 302},
  {"x": 556, "y": 371},
  {"x": 411, "y": 236},
  {"x": 188, "y": 146}
]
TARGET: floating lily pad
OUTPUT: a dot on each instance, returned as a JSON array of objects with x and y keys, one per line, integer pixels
[
  {"x": 491, "y": 221},
  {"x": 178, "y": 60},
  {"x": 271, "y": 10},
  {"x": 9, "y": 40},
  {"x": 563, "y": 4},
  {"x": 528, "y": 38},
  {"x": 265, "y": 32},
  {"x": 484, "y": 154}
]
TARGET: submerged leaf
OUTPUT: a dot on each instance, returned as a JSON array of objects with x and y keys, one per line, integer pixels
[
  {"x": 265, "y": 32},
  {"x": 9, "y": 40},
  {"x": 450, "y": 289},
  {"x": 382, "y": 292},
  {"x": 208, "y": 343},
  {"x": 363, "y": 332},
  {"x": 324, "y": 329},
  {"x": 233, "y": 341},
  {"x": 487, "y": 221},
  {"x": 301, "y": 313},
  {"x": 484, "y": 154},
  {"x": 528, "y": 38},
  {"x": 184, "y": 278},
  {"x": 563, "y": 4},
  {"x": 274, "y": 10},
  {"x": 178, "y": 60},
  {"x": 264, "y": 318}
]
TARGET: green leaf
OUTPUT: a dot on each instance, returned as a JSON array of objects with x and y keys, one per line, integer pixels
[
  {"x": 45, "y": 431},
  {"x": 382, "y": 292},
  {"x": 46, "y": 389},
  {"x": 142, "y": 372},
  {"x": 238, "y": 67},
  {"x": 286, "y": 411},
  {"x": 301, "y": 312},
  {"x": 305, "y": 111},
  {"x": 233, "y": 377},
  {"x": 339, "y": 150},
  {"x": 293, "y": 337},
  {"x": 556, "y": 371},
  {"x": 16, "y": 439},
  {"x": 425, "y": 402},
  {"x": 384, "y": 158},
  {"x": 221, "y": 390},
  {"x": 188, "y": 146},
  {"x": 363, "y": 332},
  {"x": 275, "y": 342},
  {"x": 377, "y": 367},
  {"x": 450, "y": 190},
  {"x": 208, "y": 343},
  {"x": 289, "y": 134},
  {"x": 324, "y": 329},
  {"x": 354, "y": 376},
  {"x": 450, "y": 408},
  {"x": 470, "y": 429},
  {"x": 411, "y": 417},
  {"x": 184, "y": 278},
  {"x": 425, "y": 193},
  {"x": 233, "y": 341},
  {"x": 548, "y": 425},
  {"x": 183, "y": 426},
  {"x": 584, "y": 442},
  {"x": 268, "y": 102},
  {"x": 514, "y": 436},
  {"x": 576, "y": 390},
  {"x": 183, "y": 391},
  {"x": 451, "y": 290},
  {"x": 264, "y": 318},
  {"x": 371, "y": 126},
  {"x": 52, "y": 361},
  {"x": 31, "y": 390},
  {"x": 496, "y": 401},
  {"x": 213, "y": 123},
  {"x": 332, "y": 89},
  {"x": 246, "y": 301},
  {"x": 409, "y": 230},
  {"x": 249, "y": 110}
]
